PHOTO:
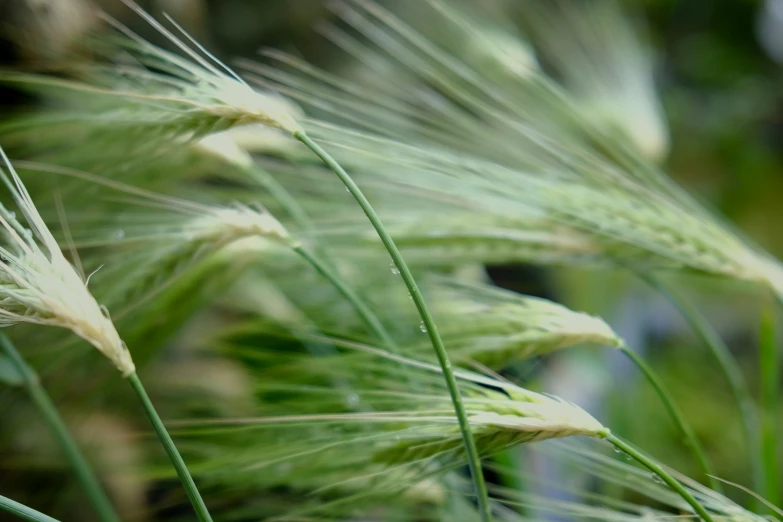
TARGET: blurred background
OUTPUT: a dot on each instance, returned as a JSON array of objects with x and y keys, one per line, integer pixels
[{"x": 718, "y": 65}]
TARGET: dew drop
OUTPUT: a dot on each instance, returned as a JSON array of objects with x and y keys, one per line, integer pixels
[
  {"x": 622, "y": 453},
  {"x": 118, "y": 234},
  {"x": 394, "y": 269},
  {"x": 423, "y": 327},
  {"x": 352, "y": 400},
  {"x": 12, "y": 214},
  {"x": 657, "y": 479}
]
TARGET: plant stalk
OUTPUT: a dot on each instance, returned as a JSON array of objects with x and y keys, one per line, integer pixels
[
  {"x": 23, "y": 512},
  {"x": 171, "y": 449},
  {"x": 662, "y": 473},
  {"x": 370, "y": 319},
  {"x": 320, "y": 262},
  {"x": 769, "y": 374},
  {"x": 89, "y": 482},
  {"x": 728, "y": 365},
  {"x": 677, "y": 417},
  {"x": 471, "y": 451}
]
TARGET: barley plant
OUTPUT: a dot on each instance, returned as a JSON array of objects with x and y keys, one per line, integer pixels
[{"x": 353, "y": 286}]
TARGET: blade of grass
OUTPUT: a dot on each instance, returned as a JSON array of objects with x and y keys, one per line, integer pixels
[
  {"x": 689, "y": 437},
  {"x": 471, "y": 450},
  {"x": 728, "y": 365},
  {"x": 23, "y": 512},
  {"x": 176, "y": 459},
  {"x": 769, "y": 369},
  {"x": 658, "y": 470},
  {"x": 89, "y": 482}
]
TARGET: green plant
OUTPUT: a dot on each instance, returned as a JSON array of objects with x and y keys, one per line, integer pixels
[{"x": 231, "y": 253}]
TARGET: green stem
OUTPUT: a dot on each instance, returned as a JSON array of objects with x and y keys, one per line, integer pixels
[
  {"x": 474, "y": 460},
  {"x": 320, "y": 262},
  {"x": 658, "y": 470},
  {"x": 676, "y": 415},
  {"x": 23, "y": 512},
  {"x": 729, "y": 367},
  {"x": 769, "y": 368},
  {"x": 171, "y": 449},
  {"x": 358, "y": 304},
  {"x": 48, "y": 411}
]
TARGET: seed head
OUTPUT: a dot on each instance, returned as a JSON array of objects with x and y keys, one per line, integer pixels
[
  {"x": 243, "y": 105},
  {"x": 147, "y": 97},
  {"x": 223, "y": 225},
  {"x": 38, "y": 285},
  {"x": 206, "y": 82},
  {"x": 502, "y": 416},
  {"x": 494, "y": 326}
]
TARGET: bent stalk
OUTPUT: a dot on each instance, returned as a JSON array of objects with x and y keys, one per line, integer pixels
[
  {"x": 320, "y": 261},
  {"x": 474, "y": 460},
  {"x": 676, "y": 415},
  {"x": 89, "y": 482},
  {"x": 176, "y": 459},
  {"x": 658, "y": 470},
  {"x": 728, "y": 365},
  {"x": 346, "y": 291}
]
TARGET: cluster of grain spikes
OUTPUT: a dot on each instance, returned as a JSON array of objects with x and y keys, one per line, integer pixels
[
  {"x": 495, "y": 327},
  {"x": 220, "y": 98},
  {"x": 526, "y": 145},
  {"x": 188, "y": 232},
  {"x": 400, "y": 437},
  {"x": 212, "y": 99},
  {"x": 524, "y": 154}
]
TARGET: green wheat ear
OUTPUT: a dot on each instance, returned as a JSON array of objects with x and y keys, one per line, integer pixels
[
  {"x": 494, "y": 327},
  {"x": 130, "y": 106}
]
